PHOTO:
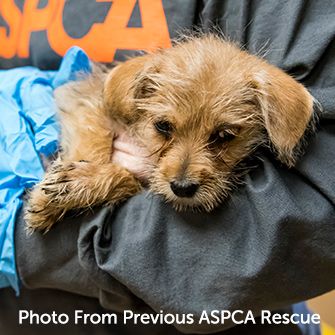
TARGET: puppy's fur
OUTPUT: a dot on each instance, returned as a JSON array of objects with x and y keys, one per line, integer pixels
[{"x": 200, "y": 108}]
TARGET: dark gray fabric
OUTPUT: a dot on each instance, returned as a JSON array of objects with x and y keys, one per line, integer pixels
[
  {"x": 278, "y": 250},
  {"x": 47, "y": 300},
  {"x": 297, "y": 36},
  {"x": 75, "y": 272},
  {"x": 270, "y": 245}
]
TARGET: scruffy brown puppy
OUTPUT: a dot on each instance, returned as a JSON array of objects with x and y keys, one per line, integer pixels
[{"x": 200, "y": 108}]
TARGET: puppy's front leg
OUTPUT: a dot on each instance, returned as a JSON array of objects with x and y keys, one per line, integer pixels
[{"x": 72, "y": 185}]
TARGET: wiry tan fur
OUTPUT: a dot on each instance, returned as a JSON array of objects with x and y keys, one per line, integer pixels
[{"x": 200, "y": 86}]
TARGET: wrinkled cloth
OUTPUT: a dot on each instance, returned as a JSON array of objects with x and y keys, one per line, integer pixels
[
  {"x": 28, "y": 131},
  {"x": 48, "y": 300}
]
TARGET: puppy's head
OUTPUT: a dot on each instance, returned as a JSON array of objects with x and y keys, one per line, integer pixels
[{"x": 201, "y": 108}]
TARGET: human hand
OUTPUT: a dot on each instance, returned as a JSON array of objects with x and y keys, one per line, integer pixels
[{"x": 130, "y": 155}]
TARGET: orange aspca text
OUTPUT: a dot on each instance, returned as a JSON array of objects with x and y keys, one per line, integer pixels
[{"x": 100, "y": 42}]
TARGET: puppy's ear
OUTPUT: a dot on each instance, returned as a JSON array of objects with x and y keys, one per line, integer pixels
[
  {"x": 145, "y": 84},
  {"x": 120, "y": 88},
  {"x": 286, "y": 108}
]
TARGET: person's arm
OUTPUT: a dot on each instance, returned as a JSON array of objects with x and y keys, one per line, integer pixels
[{"x": 270, "y": 245}]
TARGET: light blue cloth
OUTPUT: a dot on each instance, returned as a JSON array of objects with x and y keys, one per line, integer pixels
[{"x": 28, "y": 129}]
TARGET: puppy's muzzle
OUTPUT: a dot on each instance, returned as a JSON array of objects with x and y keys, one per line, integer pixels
[{"x": 184, "y": 189}]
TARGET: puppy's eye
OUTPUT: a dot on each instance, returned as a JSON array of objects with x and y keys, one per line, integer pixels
[
  {"x": 164, "y": 128},
  {"x": 221, "y": 136}
]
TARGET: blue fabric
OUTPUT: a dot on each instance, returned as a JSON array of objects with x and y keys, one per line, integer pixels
[
  {"x": 306, "y": 329},
  {"x": 28, "y": 129}
]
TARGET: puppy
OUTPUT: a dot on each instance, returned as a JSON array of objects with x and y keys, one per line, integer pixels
[{"x": 200, "y": 108}]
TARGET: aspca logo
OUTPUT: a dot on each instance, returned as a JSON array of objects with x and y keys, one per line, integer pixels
[
  {"x": 101, "y": 40},
  {"x": 238, "y": 317}
]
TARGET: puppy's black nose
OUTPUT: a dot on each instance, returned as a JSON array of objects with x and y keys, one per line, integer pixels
[{"x": 184, "y": 189}]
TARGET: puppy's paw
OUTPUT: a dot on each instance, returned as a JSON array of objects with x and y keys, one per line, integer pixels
[
  {"x": 74, "y": 185},
  {"x": 45, "y": 202},
  {"x": 82, "y": 184},
  {"x": 40, "y": 213},
  {"x": 65, "y": 182}
]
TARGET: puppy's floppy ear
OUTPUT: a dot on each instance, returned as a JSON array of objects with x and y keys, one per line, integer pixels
[
  {"x": 286, "y": 108},
  {"x": 145, "y": 84},
  {"x": 120, "y": 88}
]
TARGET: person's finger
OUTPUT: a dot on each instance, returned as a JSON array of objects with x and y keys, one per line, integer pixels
[
  {"x": 128, "y": 147},
  {"x": 127, "y": 144},
  {"x": 137, "y": 165}
]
